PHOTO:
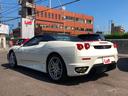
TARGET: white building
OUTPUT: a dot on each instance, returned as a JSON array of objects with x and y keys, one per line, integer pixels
[{"x": 4, "y": 29}]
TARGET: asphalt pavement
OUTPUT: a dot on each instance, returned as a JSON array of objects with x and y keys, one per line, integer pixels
[{"x": 26, "y": 82}]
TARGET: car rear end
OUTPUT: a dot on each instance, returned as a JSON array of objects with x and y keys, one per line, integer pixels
[{"x": 97, "y": 56}]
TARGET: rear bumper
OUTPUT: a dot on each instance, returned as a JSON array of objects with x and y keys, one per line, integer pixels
[
  {"x": 96, "y": 68},
  {"x": 100, "y": 68},
  {"x": 96, "y": 63}
]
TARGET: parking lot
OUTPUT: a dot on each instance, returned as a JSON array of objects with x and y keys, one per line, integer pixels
[{"x": 27, "y": 82}]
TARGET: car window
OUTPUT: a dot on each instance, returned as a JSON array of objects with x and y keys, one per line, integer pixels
[
  {"x": 37, "y": 39},
  {"x": 66, "y": 38},
  {"x": 47, "y": 38},
  {"x": 33, "y": 41}
]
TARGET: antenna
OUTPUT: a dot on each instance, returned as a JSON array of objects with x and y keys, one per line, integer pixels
[{"x": 50, "y": 3}]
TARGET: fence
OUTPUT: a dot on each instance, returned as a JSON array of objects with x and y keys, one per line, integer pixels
[{"x": 122, "y": 45}]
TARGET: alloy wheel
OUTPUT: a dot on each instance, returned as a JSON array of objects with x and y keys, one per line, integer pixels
[{"x": 55, "y": 68}]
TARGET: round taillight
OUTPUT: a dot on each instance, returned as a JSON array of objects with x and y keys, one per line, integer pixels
[
  {"x": 87, "y": 46},
  {"x": 80, "y": 46}
]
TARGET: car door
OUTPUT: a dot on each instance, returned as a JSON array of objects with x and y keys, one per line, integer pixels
[{"x": 31, "y": 54}]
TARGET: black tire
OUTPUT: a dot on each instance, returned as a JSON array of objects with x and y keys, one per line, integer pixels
[
  {"x": 56, "y": 67},
  {"x": 12, "y": 60}
]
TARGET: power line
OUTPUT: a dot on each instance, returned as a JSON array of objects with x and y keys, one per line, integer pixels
[
  {"x": 7, "y": 6},
  {"x": 44, "y": 10},
  {"x": 40, "y": 1},
  {"x": 5, "y": 3},
  {"x": 60, "y": 5},
  {"x": 65, "y": 4},
  {"x": 8, "y": 10},
  {"x": 11, "y": 19}
]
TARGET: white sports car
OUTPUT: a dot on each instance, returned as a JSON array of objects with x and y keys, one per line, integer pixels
[{"x": 63, "y": 55}]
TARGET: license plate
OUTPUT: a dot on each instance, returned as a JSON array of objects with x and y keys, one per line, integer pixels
[{"x": 106, "y": 60}]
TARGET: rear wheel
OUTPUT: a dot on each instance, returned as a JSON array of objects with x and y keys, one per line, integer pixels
[
  {"x": 12, "y": 60},
  {"x": 56, "y": 68}
]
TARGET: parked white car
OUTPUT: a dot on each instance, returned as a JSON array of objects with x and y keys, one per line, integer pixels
[{"x": 63, "y": 55}]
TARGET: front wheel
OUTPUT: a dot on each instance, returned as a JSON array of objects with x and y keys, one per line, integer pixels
[
  {"x": 56, "y": 68},
  {"x": 12, "y": 60}
]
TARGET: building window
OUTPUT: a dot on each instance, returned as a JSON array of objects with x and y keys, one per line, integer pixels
[
  {"x": 69, "y": 18},
  {"x": 38, "y": 13},
  {"x": 59, "y": 16},
  {"x": 42, "y": 14},
  {"x": 77, "y": 28},
  {"x": 45, "y": 14},
  {"x": 51, "y": 26},
  {"x": 67, "y": 27},
  {"x": 80, "y": 20},
  {"x": 55, "y": 16},
  {"x": 82, "y": 29},
  {"x": 89, "y": 22},
  {"x": 47, "y": 26},
  {"x": 49, "y": 15},
  {"x": 55, "y": 26},
  {"x": 63, "y": 18},
  {"x": 52, "y": 15},
  {"x": 89, "y": 30},
  {"x": 73, "y": 19},
  {"x": 43, "y": 26}
]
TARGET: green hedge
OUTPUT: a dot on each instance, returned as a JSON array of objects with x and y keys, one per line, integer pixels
[{"x": 124, "y": 36}]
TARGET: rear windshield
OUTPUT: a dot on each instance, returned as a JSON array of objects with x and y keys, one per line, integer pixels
[
  {"x": 92, "y": 37},
  {"x": 66, "y": 38}
]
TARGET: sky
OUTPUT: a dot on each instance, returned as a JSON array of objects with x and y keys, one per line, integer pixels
[{"x": 103, "y": 11}]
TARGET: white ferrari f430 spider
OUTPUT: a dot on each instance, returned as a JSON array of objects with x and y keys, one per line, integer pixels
[{"x": 63, "y": 55}]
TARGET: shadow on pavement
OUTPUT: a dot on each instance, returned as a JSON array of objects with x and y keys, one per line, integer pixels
[
  {"x": 122, "y": 64},
  {"x": 43, "y": 77}
]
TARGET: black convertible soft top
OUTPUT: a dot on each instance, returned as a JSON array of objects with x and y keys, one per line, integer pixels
[
  {"x": 59, "y": 37},
  {"x": 91, "y": 37}
]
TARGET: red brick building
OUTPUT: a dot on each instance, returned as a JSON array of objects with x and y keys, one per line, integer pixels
[{"x": 62, "y": 21}]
